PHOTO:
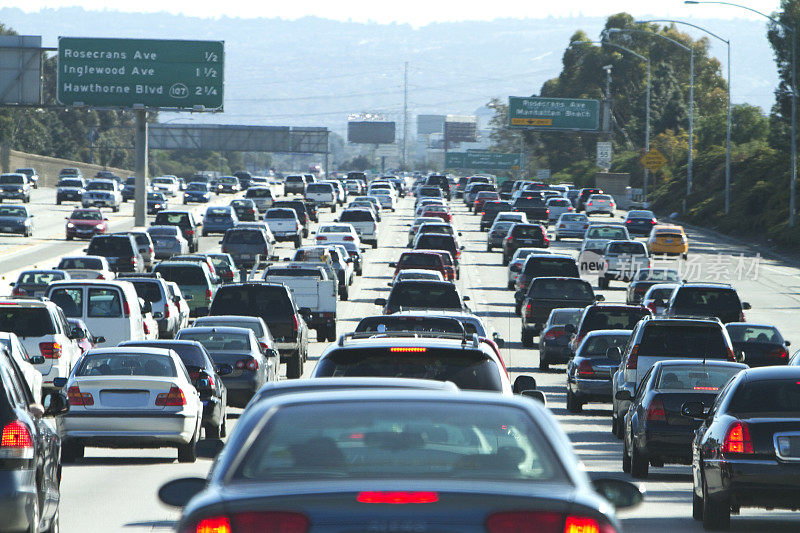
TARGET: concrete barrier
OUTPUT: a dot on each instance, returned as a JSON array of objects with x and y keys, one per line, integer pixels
[{"x": 49, "y": 167}]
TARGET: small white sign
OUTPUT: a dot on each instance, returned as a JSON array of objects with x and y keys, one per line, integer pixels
[{"x": 604, "y": 152}]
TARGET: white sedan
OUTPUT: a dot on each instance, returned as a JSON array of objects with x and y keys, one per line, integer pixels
[
  {"x": 130, "y": 398},
  {"x": 600, "y": 203},
  {"x": 337, "y": 233},
  {"x": 385, "y": 197}
]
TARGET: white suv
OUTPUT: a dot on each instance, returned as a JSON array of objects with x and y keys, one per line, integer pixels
[{"x": 43, "y": 330}]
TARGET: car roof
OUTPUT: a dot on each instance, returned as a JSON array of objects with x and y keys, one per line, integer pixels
[
  {"x": 132, "y": 349},
  {"x": 706, "y": 285},
  {"x": 218, "y": 329},
  {"x": 765, "y": 373},
  {"x": 699, "y": 362},
  {"x": 757, "y": 325},
  {"x": 598, "y": 332}
]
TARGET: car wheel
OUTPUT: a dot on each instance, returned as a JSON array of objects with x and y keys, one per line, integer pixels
[
  {"x": 639, "y": 464},
  {"x": 602, "y": 283},
  {"x": 716, "y": 515},
  {"x": 626, "y": 458},
  {"x": 527, "y": 338},
  {"x": 614, "y": 424},
  {"x": 223, "y": 427},
  {"x": 510, "y": 285},
  {"x": 186, "y": 452},
  {"x": 505, "y": 260},
  {"x": 69, "y": 237},
  {"x": 298, "y": 242},
  {"x": 115, "y": 209},
  {"x": 543, "y": 364},
  {"x": 345, "y": 294},
  {"x": 685, "y": 256},
  {"x": 71, "y": 452},
  {"x": 58, "y": 201},
  {"x": 332, "y": 333},
  {"x": 212, "y": 432},
  {"x": 697, "y": 506},
  {"x": 374, "y": 245},
  {"x": 573, "y": 405},
  {"x": 294, "y": 367}
]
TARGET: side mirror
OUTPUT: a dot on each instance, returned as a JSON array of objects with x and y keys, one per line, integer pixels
[
  {"x": 459, "y": 234},
  {"x": 536, "y": 395},
  {"x": 13, "y": 283},
  {"x": 55, "y": 404},
  {"x": 599, "y": 298},
  {"x": 787, "y": 343},
  {"x": 390, "y": 284},
  {"x": 219, "y": 242},
  {"x": 380, "y": 301},
  {"x": 623, "y": 395},
  {"x": 498, "y": 340},
  {"x": 37, "y": 360},
  {"x": 224, "y": 369},
  {"x": 178, "y": 492},
  {"x": 570, "y": 329},
  {"x": 746, "y": 306},
  {"x": 59, "y": 382},
  {"x": 619, "y": 493},
  {"x": 466, "y": 298},
  {"x": 523, "y": 383},
  {"x": 519, "y": 295},
  {"x": 461, "y": 248},
  {"x": 393, "y": 265},
  {"x": 694, "y": 410}
]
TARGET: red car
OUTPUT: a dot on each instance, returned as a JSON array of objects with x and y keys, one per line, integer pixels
[
  {"x": 438, "y": 211},
  {"x": 86, "y": 223}
]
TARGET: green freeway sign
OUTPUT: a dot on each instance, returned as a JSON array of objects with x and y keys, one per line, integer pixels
[
  {"x": 140, "y": 72},
  {"x": 553, "y": 113},
  {"x": 483, "y": 160}
]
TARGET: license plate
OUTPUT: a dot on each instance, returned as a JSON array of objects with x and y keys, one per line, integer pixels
[
  {"x": 246, "y": 256},
  {"x": 668, "y": 241},
  {"x": 8, "y": 230},
  {"x": 84, "y": 231},
  {"x": 161, "y": 243}
]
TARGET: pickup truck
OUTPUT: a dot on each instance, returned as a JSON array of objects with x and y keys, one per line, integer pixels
[
  {"x": 623, "y": 260},
  {"x": 534, "y": 207},
  {"x": 548, "y": 293},
  {"x": 284, "y": 225},
  {"x": 313, "y": 292},
  {"x": 322, "y": 194}
]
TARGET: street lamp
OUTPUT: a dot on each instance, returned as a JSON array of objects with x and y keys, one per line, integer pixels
[
  {"x": 728, "y": 120},
  {"x": 791, "y": 30},
  {"x": 691, "y": 92},
  {"x": 647, "y": 101}
]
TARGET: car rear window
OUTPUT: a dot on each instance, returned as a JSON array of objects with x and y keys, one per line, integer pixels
[
  {"x": 561, "y": 317},
  {"x": 39, "y": 278},
  {"x": 110, "y": 246},
  {"x": 320, "y": 187},
  {"x": 268, "y": 302},
  {"x": 765, "y": 397},
  {"x": 606, "y": 233},
  {"x": 147, "y": 290},
  {"x": 527, "y": 232},
  {"x": 662, "y": 339},
  {"x": 707, "y": 299},
  {"x": 433, "y": 241},
  {"x": 172, "y": 219},
  {"x": 134, "y": 364},
  {"x": 529, "y": 201},
  {"x": 596, "y": 346},
  {"x": 26, "y": 321},
  {"x": 695, "y": 377},
  {"x": 293, "y": 272},
  {"x": 561, "y": 289},
  {"x": 164, "y": 231},
  {"x": 411, "y": 260},
  {"x": 280, "y": 213},
  {"x": 258, "y": 193},
  {"x": 542, "y": 267},
  {"x": 602, "y": 317},
  {"x": 182, "y": 274},
  {"x": 434, "y": 295},
  {"x": 70, "y": 183},
  {"x": 359, "y": 215},
  {"x": 366, "y": 440},
  {"x": 631, "y": 247},
  {"x": 217, "y": 341},
  {"x": 218, "y": 212},
  {"x": 239, "y": 236},
  {"x": 747, "y": 333}
]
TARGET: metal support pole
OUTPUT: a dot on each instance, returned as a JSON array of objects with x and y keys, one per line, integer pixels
[
  {"x": 647, "y": 135},
  {"x": 728, "y": 141},
  {"x": 793, "y": 182},
  {"x": 405, "y": 115},
  {"x": 691, "y": 122},
  {"x": 140, "y": 195},
  {"x": 607, "y": 105}
]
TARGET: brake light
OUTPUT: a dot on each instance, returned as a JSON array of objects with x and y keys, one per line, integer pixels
[
  {"x": 585, "y": 369},
  {"x": 253, "y": 522},
  {"x": 16, "y": 441},
  {"x": 397, "y": 497},
  {"x": 189, "y": 232},
  {"x": 778, "y": 353},
  {"x": 208, "y": 294},
  {"x": 741, "y": 316},
  {"x": 76, "y": 397},
  {"x": 322, "y": 238},
  {"x": 528, "y": 309},
  {"x": 126, "y": 309},
  {"x": 100, "y": 276},
  {"x": 349, "y": 238},
  {"x": 589, "y": 203},
  {"x": 737, "y": 439},
  {"x": 586, "y": 226},
  {"x": 50, "y": 350},
  {"x": 562, "y": 225},
  {"x": 544, "y": 522},
  {"x": 17, "y": 292},
  {"x": 553, "y": 334},
  {"x": 731, "y": 355},
  {"x": 408, "y": 349},
  {"x": 150, "y": 249},
  {"x": 629, "y": 221},
  {"x": 652, "y": 307},
  {"x": 633, "y": 358},
  {"x": 655, "y": 412},
  {"x": 295, "y": 324},
  {"x": 173, "y": 398},
  {"x": 248, "y": 363},
  {"x": 570, "y": 208},
  {"x": 146, "y": 328}
]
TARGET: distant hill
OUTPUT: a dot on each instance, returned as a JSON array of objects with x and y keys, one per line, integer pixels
[{"x": 313, "y": 72}]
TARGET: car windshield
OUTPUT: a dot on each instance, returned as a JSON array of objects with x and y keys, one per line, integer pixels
[
  {"x": 746, "y": 333},
  {"x": 123, "y": 364},
  {"x": 217, "y": 341},
  {"x": 709, "y": 378},
  {"x": 80, "y": 263},
  {"x": 664, "y": 339},
  {"x": 86, "y": 214},
  {"x": 100, "y": 186},
  {"x": 419, "y": 440},
  {"x": 70, "y": 183},
  {"x": 39, "y": 278},
  {"x": 156, "y": 197},
  {"x": 196, "y": 186},
  {"x": 12, "y": 211},
  {"x": 596, "y": 346},
  {"x": 766, "y": 397},
  {"x": 12, "y": 179},
  {"x": 26, "y": 321},
  {"x": 607, "y": 232}
]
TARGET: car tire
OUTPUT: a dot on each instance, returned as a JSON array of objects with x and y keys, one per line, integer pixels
[
  {"x": 71, "y": 452},
  {"x": 213, "y": 432},
  {"x": 187, "y": 452},
  {"x": 115, "y": 209},
  {"x": 602, "y": 283},
  {"x": 223, "y": 427},
  {"x": 374, "y": 245},
  {"x": 716, "y": 515},
  {"x": 639, "y": 464},
  {"x": 614, "y": 424},
  {"x": 333, "y": 208},
  {"x": 505, "y": 260},
  {"x": 543, "y": 363},
  {"x": 697, "y": 506},
  {"x": 527, "y": 338},
  {"x": 69, "y": 237},
  {"x": 488, "y": 248},
  {"x": 58, "y": 201},
  {"x": 331, "y": 333},
  {"x": 345, "y": 294},
  {"x": 510, "y": 285},
  {"x": 294, "y": 366},
  {"x": 298, "y": 242},
  {"x": 518, "y": 308},
  {"x": 626, "y": 458},
  {"x": 573, "y": 405}
]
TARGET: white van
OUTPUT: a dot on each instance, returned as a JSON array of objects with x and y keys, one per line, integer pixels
[{"x": 111, "y": 309}]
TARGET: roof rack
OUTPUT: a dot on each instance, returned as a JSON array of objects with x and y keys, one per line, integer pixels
[{"x": 687, "y": 317}]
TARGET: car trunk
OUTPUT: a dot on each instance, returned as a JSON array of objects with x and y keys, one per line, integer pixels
[
  {"x": 672, "y": 401},
  {"x": 128, "y": 393}
]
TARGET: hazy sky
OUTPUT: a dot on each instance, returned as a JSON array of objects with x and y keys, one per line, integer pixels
[{"x": 415, "y": 12}]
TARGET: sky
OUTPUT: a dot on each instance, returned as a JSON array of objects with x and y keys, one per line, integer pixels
[{"x": 414, "y": 12}]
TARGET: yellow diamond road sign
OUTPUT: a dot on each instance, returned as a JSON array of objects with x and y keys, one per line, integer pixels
[{"x": 653, "y": 160}]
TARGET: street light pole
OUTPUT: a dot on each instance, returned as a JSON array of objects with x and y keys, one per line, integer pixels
[{"x": 793, "y": 148}]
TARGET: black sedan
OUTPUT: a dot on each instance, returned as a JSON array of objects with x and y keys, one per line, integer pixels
[
  {"x": 747, "y": 450},
  {"x": 206, "y": 379},
  {"x": 656, "y": 432},
  {"x": 646, "y": 278},
  {"x": 640, "y": 222},
  {"x": 758, "y": 344},
  {"x": 397, "y": 459},
  {"x": 30, "y": 453},
  {"x": 246, "y": 210},
  {"x": 590, "y": 371}
]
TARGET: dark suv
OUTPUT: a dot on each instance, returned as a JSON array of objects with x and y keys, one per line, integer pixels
[
  {"x": 120, "y": 250},
  {"x": 273, "y": 303},
  {"x": 441, "y": 182},
  {"x": 410, "y": 294},
  {"x": 718, "y": 300},
  {"x": 606, "y": 316},
  {"x": 246, "y": 245},
  {"x": 524, "y": 236},
  {"x": 584, "y": 196},
  {"x": 490, "y": 211},
  {"x": 543, "y": 265},
  {"x": 546, "y": 294},
  {"x": 184, "y": 220}
]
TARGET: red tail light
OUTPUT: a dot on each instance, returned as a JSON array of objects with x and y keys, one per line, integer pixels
[
  {"x": 586, "y": 226},
  {"x": 126, "y": 309},
  {"x": 629, "y": 221},
  {"x": 189, "y": 233},
  {"x": 208, "y": 294},
  {"x": 264, "y": 346},
  {"x": 528, "y": 309},
  {"x": 544, "y": 522},
  {"x": 737, "y": 439},
  {"x": 16, "y": 441},
  {"x": 652, "y": 307},
  {"x": 253, "y": 522},
  {"x": 731, "y": 355},
  {"x": 173, "y": 398},
  {"x": 741, "y": 317},
  {"x": 652, "y": 221},
  {"x": 633, "y": 359},
  {"x": 50, "y": 350},
  {"x": 589, "y": 203},
  {"x": 295, "y": 323},
  {"x": 76, "y": 397},
  {"x": 150, "y": 249},
  {"x": 570, "y": 208},
  {"x": 100, "y": 276},
  {"x": 562, "y": 225},
  {"x": 322, "y": 238},
  {"x": 655, "y": 412},
  {"x": 166, "y": 311},
  {"x": 18, "y": 292},
  {"x": 397, "y": 497},
  {"x": 349, "y": 238},
  {"x": 146, "y": 328},
  {"x": 585, "y": 369},
  {"x": 248, "y": 363},
  {"x": 778, "y": 353},
  {"x": 553, "y": 334}
]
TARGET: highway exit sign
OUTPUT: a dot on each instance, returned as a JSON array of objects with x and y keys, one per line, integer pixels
[
  {"x": 149, "y": 73},
  {"x": 483, "y": 160},
  {"x": 543, "y": 114}
]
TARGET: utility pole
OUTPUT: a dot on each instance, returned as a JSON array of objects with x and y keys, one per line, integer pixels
[
  {"x": 607, "y": 104},
  {"x": 405, "y": 114}
]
